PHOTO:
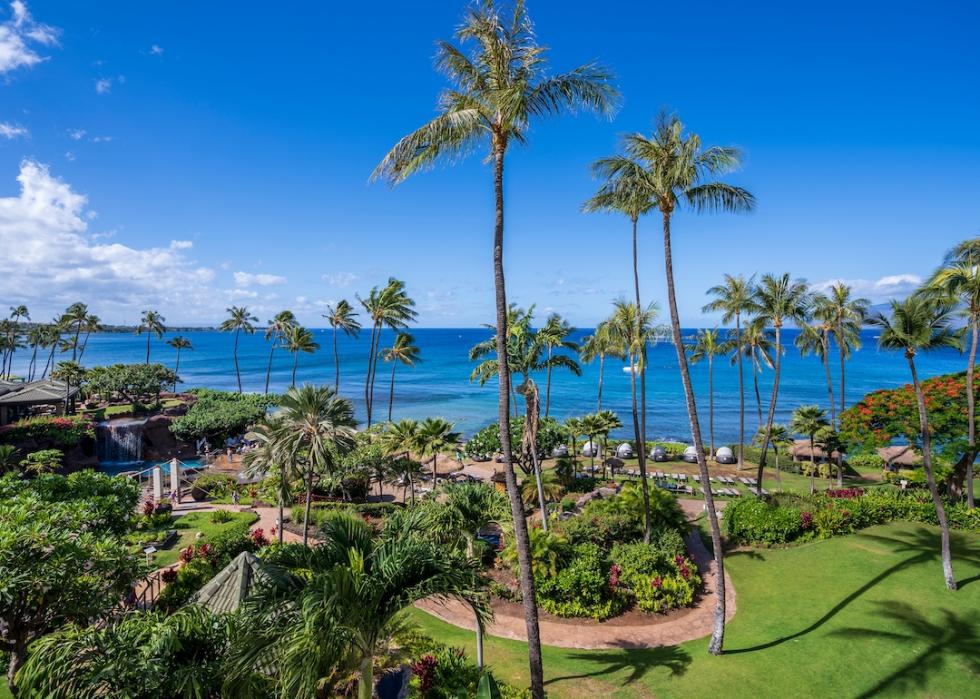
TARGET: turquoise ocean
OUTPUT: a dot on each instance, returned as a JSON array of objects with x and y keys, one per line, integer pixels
[{"x": 440, "y": 385}]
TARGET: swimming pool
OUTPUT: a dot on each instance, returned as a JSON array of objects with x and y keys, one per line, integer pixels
[{"x": 115, "y": 468}]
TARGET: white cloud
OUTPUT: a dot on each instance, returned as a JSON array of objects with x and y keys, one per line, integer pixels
[
  {"x": 883, "y": 289},
  {"x": 48, "y": 259},
  {"x": 69, "y": 156},
  {"x": 77, "y": 134},
  {"x": 103, "y": 86},
  {"x": 101, "y": 139},
  {"x": 249, "y": 279},
  {"x": 340, "y": 279},
  {"x": 156, "y": 50},
  {"x": 181, "y": 244},
  {"x": 18, "y": 35},
  {"x": 11, "y": 131}
]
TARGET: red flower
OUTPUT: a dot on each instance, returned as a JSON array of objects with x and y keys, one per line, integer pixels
[{"x": 656, "y": 582}]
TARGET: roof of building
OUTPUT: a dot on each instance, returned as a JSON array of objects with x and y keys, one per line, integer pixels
[
  {"x": 229, "y": 588},
  {"x": 801, "y": 450},
  {"x": 902, "y": 455},
  {"x": 47, "y": 391}
]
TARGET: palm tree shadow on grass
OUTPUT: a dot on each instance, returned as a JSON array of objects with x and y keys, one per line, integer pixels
[
  {"x": 638, "y": 661},
  {"x": 952, "y": 635},
  {"x": 923, "y": 547}
]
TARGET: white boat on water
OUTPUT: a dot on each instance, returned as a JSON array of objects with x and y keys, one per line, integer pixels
[{"x": 631, "y": 369}]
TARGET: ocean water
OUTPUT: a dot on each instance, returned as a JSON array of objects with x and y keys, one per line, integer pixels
[{"x": 440, "y": 385}]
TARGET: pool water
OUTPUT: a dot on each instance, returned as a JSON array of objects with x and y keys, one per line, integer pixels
[{"x": 115, "y": 468}]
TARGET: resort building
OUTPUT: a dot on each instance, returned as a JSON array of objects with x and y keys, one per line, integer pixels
[{"x": 19, "y": 399}]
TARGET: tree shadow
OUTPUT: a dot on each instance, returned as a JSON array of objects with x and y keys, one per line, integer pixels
[
  {"x": 954, "y": 635},
  {"x": 923, "y": 547},
  {"x": 638, "y": 661}
]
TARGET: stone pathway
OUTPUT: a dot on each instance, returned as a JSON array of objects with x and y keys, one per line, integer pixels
[{"x": 652, "y": 632}]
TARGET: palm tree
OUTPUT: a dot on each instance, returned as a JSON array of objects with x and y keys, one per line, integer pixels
[
  {"x": 848, "y": 315},
  {"x": 435, "y": 436},
  {"x": 920, "y": 324},
  {"x": 757, "y": 348},
  {"x": 959, "y": 279},
  {"x": 808, "y": 420},
  {"x": 402, "y": 437},
  {"x": 554, "y": 336},
  {"x": 498, "y": 87},
  {"x": 733, "y": 299},
  {"x": 814, "y": 338},
  {"x": 402, "y": 351},
  {"x": 72, "y": 321},
  {"x": 151, "y": 322},
  {"x": 37, "y": 336},
  {"x": 72, "y": 373},
  {"x": 332, "y": 609},
  {"x": 780, "y": 440},
  {"x": 341, "y": 317},
  {"x": 391, "y": 307},
  {"x": 52, "y": 341},
  {"x": 778, "y": 300},
  {"x": 708, "y": 346},
  {"x": 299, "y": 339},
  {"x": 16, "y": 314},
  {"x": 240, "y": 320},
  {"x": 264, "y": 460},
  {"x": 633, "y": 330},
  {"x": 676, "y": 172},
  {"x": 607, "y": 422},
  {"x": 315, "y": 426},
  {"x": 179, "y": 343},
  {"x": 92, "y": 324},
  {"x": 275, "y": 334},
  {"x": 599, "y": 345},
  {"x": 10, "y": 342}
]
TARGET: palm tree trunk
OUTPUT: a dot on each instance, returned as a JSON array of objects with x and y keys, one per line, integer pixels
[
  {"x": 309, "y": 499},
  {"x": 641, "y": 428},
  {"x": 772, "y": 408},
  {"x": 971, "y": 410},
  {"x": 503, "y": 415},
  {"x": 336, "y": 363},
  {"x": 718, "y": 633},
  {"x": 365, "y": 685},
  {"x": 930, "y": 477},
  {"x": 295, "y": 363},
  {"x": 74, "y": 345},
  {"x": 813, "y": 465},
  {"x": 176, "y": 369},
  {"x": 825, "y": 343},
  {"x": 479, "y": 643},
  {"x": 540, "y": 487},
  {"x": 50, "y": 363},
  {"x": 741, "y": 393},
  {"x": 547, "y": 388},
  {"x": 147, "y": 346},
  {"x": 368, "y": 384},
  {"x": 758, "y": 396},
  {"x": 843, "y": 359},
  {"x": 268, "y": 367},
  {"x": 84, "y": 345},
  {"x": 711, "y": 404},
  {"x": 779, "y": 478},
  {"x": 234, "y": 354},
  {"x": 282, "y": 499},
  {"x": 602, "y": 360},
  {"x": 33, "y": 365},
  {"x": 391, "y": 389}
]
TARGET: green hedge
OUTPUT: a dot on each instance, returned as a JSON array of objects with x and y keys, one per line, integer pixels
[{"x": 320, "y": 511}]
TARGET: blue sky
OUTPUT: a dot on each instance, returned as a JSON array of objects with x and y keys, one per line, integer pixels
[{"x": 187, "y": 156}]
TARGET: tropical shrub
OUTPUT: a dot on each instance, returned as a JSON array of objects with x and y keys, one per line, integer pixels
[
  {"x": 63, "y": 432},
  {"x": 42, "y": 461},
  {"x": 549, "y": 551},
  {"x": 486, "y": 442},
  {"x": 582, "y": 484},
  {"x": 212, "y": 485},
  {"x": 220, "y": 414},
  {"x": 866, "y": 462},
  {"x": 320, "y": 512},
  {"x": 85, "y": 500},
  {"x": 755, "y": 521},
  {"x": 581, "y": 588},
  {"x": 658, "y": 577}
]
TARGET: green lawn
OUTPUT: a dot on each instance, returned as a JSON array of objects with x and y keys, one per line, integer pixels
[
  {"x": 189, "y": 525},
  {"x": 854, "y": 616}
]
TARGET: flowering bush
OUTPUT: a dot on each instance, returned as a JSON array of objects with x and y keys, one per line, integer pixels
[
  {"x": 59, "y": 431},
  {"x": 425, "y": 670},
  {"x": 581, "y": 588},
  {"x": 844, "y": 493},
  {"x": 658, "y": 577}
]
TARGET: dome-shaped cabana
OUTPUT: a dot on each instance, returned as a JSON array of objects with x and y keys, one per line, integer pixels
[
  {"x": 724, "y": 455},
  {"x": 624, "y": 450},
  {"x": 560, "y": 451},
  {"x": 691, "y": 455},
  {"x": 590, "y": 449},
  {"x": 660, "y": 454}
]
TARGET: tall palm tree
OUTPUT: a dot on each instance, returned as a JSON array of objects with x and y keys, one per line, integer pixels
[
  {"x": 299, "y": 339},
  {"x": 10, "y": 342},
  {"x": 848, "y": 315},
  {"x": 921, "y": 324},
  {"x": 707, "y": 346},
  {"x": 72, "y": 320},
  {"x": 498, "y": 87},
  {"x": 239, "y": 320},
  {"x": 780, "y": 440},
  {"x": 341, "y": 317},
  {"x": 959, "y": 279},
  {"x": 808, "y": 420},
  {"x": 633, "y": 330},
  {"x": 402, "y": 438},
  {"x": 179, "y": 343},
  {"x": 92, "y": 324},
  {"x": 757, "y": 348},
  {"x": 265, "y": 459},
  {"x": 733, "y": 299},
  {"x": 814, "y": 338},
  {"x": 275, "y": 335},
  {"x": 599, "y": 345},
  {"x": 52, "y": 341},
  {"x": 151, "y": 322},
  {"x": 17, "y": 313},
  {"x": 779, "y": 300},
  {"x": 390, "y": 307},
  {"x": 314, "y": 426},
  {"x": 332, "y": 609},
  {"x": 402, "y": 351},
  {"x": 36, "y": 337},
  {"x": 435, "y": 436},
  {"x": 554, "y": 336},
  {"x": 677, "y": 172},
  {"x": 72, "y": 373}
]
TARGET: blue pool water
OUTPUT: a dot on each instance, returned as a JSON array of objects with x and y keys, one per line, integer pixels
[{"x": 114, "y": 468}]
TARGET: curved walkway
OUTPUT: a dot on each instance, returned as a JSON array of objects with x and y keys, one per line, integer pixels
[{"x": 682, "y": 626}]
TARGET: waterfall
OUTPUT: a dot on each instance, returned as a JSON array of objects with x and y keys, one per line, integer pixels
[{"x": 120, "y": 440}]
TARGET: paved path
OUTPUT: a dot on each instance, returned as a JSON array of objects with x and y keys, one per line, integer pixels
[{"x": 652, "y": 632}]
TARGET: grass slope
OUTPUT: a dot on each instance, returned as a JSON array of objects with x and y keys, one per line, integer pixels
[{"x": 856, "y": 616}]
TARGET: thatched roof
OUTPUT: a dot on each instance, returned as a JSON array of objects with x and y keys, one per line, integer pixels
[
  {"x": 801, "y": 451},
  {"x": 229, "y": 588},
  {"x": 900, "y": 455}
]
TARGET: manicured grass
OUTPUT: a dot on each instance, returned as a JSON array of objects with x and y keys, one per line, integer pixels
[
  {"x": 124, "y": 409},
  {"x": 189, "y": 525},
  {"x": 861, "y": 615}
]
